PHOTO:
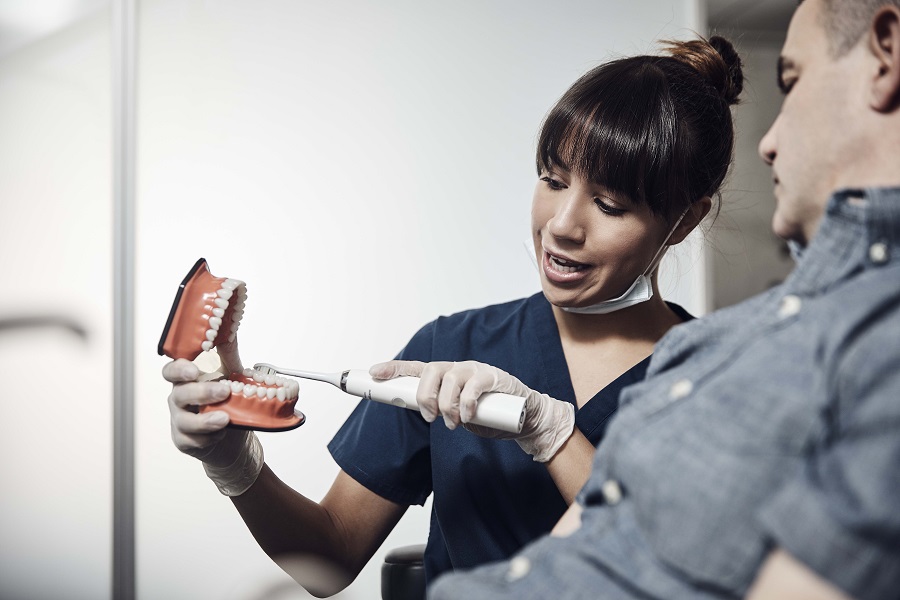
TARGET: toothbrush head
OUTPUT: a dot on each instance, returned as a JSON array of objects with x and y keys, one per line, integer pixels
[{"x": 265, "y": 368}]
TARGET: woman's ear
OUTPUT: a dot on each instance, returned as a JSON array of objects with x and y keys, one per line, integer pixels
[
  {"x": 884, "y": 43},
  {"x": 696, "y": 213}
]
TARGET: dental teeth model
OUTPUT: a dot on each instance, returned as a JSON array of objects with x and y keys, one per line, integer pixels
[{"x": 207, "y": 311}]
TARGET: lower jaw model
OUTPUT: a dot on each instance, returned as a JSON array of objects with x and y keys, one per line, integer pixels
[{"x": 207, "y": 311}]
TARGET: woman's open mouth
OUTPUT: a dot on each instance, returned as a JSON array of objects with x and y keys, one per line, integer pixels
[{"x": 563, "y": 270}]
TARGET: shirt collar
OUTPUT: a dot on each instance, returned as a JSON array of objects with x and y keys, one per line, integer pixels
[{"x": 860, "y": 230}]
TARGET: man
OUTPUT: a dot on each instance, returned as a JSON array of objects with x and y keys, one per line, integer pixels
[{"x": 761, "y": 457}]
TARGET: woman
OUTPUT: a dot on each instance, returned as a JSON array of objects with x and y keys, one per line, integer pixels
[{"x": 628, "y": 161}]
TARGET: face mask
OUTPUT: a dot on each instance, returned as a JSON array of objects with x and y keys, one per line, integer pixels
[{"x": 640, "y": 291}]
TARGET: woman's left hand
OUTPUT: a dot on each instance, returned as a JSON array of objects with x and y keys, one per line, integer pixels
[{"x": 452, "y": 389}]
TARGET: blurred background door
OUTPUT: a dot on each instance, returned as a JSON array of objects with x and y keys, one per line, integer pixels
[{"x": 56, "y": 300}]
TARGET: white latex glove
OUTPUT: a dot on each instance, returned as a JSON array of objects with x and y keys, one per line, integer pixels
[
  {"x": 232, "y": 458},
  {"x": 452, "y": 389}
]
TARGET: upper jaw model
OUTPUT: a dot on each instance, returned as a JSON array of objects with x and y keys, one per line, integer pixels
[{"x": 207, "y": 311}]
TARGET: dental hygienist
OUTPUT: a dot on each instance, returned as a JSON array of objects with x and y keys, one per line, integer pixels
[{"x": 628, "y": 161}]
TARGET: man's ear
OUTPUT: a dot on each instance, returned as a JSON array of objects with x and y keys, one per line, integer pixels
[
  {"x": 884, "y": 43},
  {"x": 692, "y": 218}
]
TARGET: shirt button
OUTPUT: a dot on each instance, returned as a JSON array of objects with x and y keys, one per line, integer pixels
[
  {"x": 790, "y": 306},
  {"x": 519, "y": 567},
  {"x": 612, "y": 492},
  {"x": 878, "y": 253},
  {"x": 680, "y": 389}
]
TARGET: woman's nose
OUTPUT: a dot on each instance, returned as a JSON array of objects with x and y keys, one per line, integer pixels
[{"x": 568, "y": 220}]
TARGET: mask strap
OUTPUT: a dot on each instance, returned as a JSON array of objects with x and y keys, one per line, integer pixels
[{"x": 654, "y": 262}]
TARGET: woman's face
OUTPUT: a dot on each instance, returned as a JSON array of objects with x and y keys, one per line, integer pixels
[{"x": 590, "y": 244}]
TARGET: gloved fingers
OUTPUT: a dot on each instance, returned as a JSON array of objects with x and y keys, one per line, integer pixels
[
  {"x": 396, "y": 368},
  {"x": 506, "y": 383},
  {"x": 188, "y": 423},
  {"x": 427, "y": 395},
  {"x": 448, "y": 399},
  {"x": 453, "y": 382},
  {"x": 194, "y": 432},
  {"x": 198, "y": 393},
  {"x": 180, "y": 371},
  {"x": 481, "y": 381},
  {"x": 197, "y": 434}
]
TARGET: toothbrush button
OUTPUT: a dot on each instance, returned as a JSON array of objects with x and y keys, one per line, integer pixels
[{"x": 398, "y": 402}]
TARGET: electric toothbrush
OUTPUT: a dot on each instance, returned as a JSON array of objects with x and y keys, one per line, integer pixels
[{"x": 495, "y": 409}]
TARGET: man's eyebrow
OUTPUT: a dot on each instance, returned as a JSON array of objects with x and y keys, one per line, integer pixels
[{"x": 784, "y": 64}]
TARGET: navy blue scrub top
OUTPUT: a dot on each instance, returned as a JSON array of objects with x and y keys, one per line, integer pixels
[{"x": 490, "y": 498}]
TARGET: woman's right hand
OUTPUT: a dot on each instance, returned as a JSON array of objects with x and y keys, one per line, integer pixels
[
  {"x": 201, "y": 435},
  {"x": 452, "y": 390}
]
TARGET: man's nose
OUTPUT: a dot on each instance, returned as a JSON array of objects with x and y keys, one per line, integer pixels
[{"x": 768, "y": 144}]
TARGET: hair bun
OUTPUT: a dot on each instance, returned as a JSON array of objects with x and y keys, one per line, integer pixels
[
  {"x": 716, "y": 60},
  {"x": 734, "y": 82}
]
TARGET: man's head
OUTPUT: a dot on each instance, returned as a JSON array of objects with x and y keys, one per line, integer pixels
[
  {"x": 839, "y": 125},
  {"x": 847, "y": 21}
]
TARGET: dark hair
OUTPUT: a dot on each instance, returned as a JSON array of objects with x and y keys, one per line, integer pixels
[
  {"x": 846, "y": 21},
  {"x": 655, "y": 128}
]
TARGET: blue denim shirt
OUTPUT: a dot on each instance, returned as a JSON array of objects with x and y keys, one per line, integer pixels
[{"x": 774, "y": 423}]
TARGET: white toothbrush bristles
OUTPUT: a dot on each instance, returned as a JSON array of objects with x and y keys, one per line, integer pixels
[{"x": 268, "y": 369}]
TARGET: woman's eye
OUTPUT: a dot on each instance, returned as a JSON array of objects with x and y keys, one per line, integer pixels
[
  {"x": 552, "y": 183},
  {"x": 608, "y": 208}
]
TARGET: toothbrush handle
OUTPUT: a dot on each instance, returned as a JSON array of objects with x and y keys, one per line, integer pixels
[{"x": 495, "y": 410}]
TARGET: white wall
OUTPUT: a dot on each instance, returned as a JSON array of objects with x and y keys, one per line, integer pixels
[
  {"x": 55, "y": 259},
  {"x": 365, "y": 167}
]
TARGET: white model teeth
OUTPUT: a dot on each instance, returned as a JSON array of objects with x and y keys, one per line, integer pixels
[
  {"x": 263, "y": 386},
  {"x": 233, "y": 290}
]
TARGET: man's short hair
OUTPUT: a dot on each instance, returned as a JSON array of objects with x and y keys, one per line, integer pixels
[{"x": 846, "y": 21}]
